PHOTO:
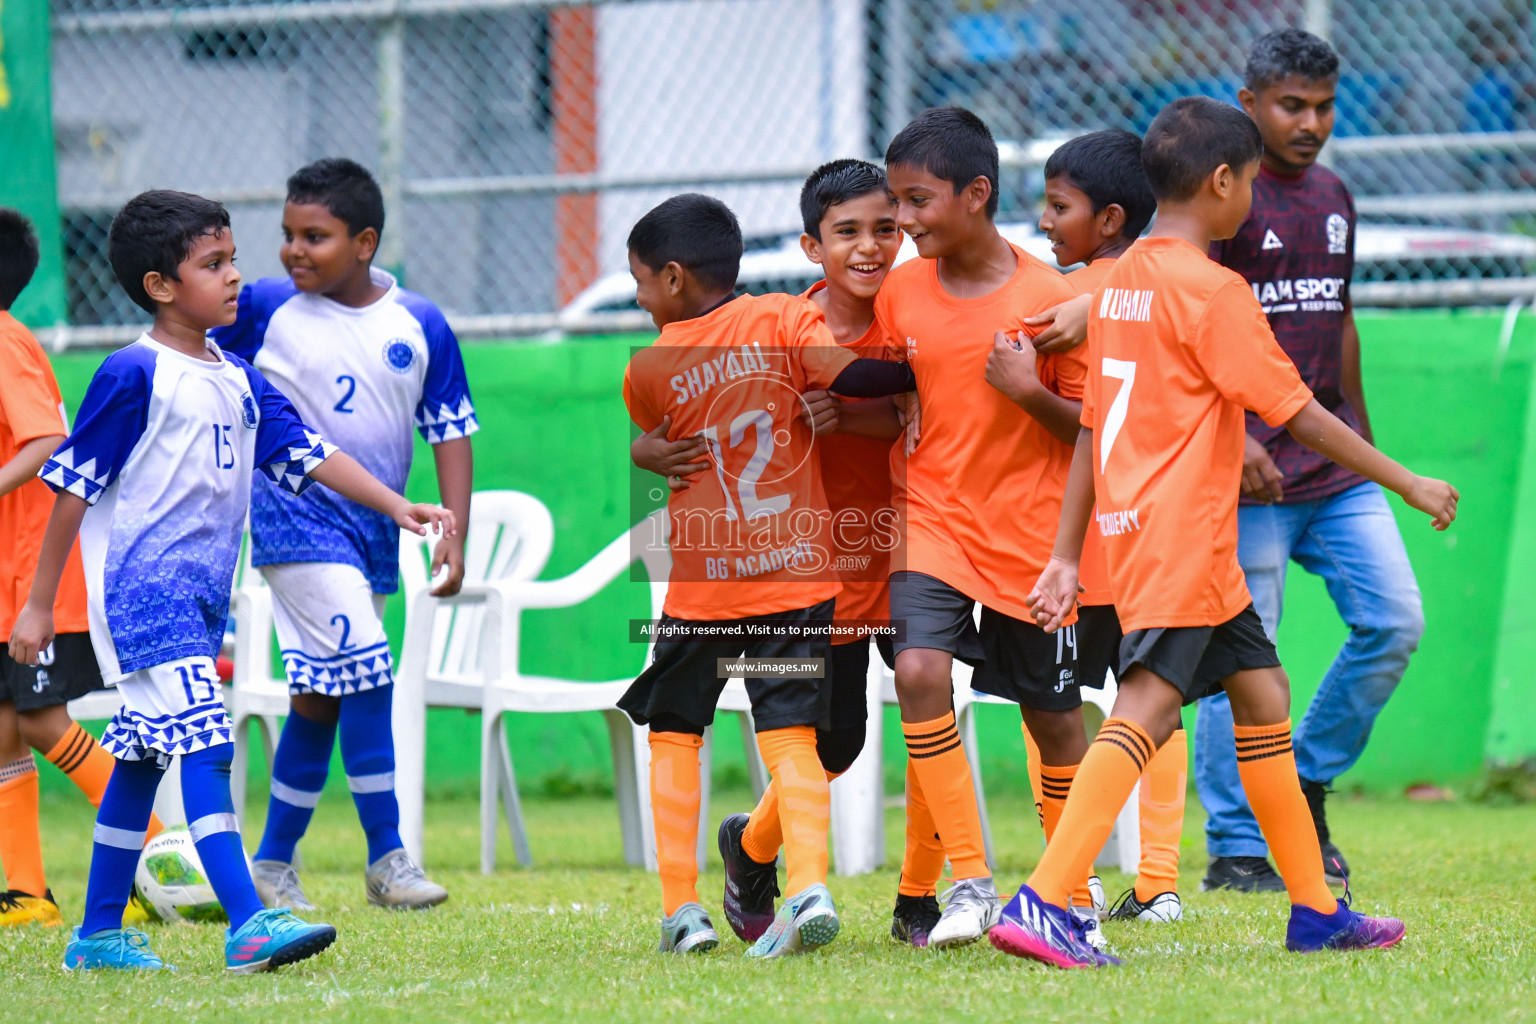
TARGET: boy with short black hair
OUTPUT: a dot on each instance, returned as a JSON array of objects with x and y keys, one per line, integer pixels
[
  {"x": 980, "y": 498},
  {"x": 1097, "y": 202},
  {"x": 750, "y": 549},
  {"x": 1178, "y": 348},
  {"x": 155, "y": 479},
  {"x": 33, "y": 699},
  {"x": 850, "y": 232},
  {"x": 360, "y": 358}
]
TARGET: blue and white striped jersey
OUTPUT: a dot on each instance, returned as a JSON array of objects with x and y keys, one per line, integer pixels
[
  {"x": 360, "y": 376},
  {"x": 163, "y": 450}
]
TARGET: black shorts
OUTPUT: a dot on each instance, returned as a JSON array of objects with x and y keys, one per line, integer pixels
[
  {"x": 1196, "y": 659},
  {"x": 1014, "y": 659},
  {"x": 65, "y": 671},
  {"x": 1098, "y": 643},
  {"x": 681, "y": 685}
]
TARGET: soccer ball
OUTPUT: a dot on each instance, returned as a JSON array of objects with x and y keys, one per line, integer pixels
[{"x": 170, "y": 881}]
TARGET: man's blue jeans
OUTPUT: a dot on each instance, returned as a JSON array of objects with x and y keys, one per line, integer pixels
[{"x": 1351, "y": 540}]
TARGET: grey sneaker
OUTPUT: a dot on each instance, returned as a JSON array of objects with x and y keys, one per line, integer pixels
[
  {"x": 970, "y": 910},
  {"x": 688, "y": 930},
  {"x": 277, "y": 883},
  {"x": 807, "y": 921},
  {"x": 1091, "y": 930},
  {"x": 396, "y": 881}
]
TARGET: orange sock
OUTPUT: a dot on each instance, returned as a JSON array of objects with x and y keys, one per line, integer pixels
[
  {"x": 1032, "y": 759},
  {"x": 21, "y": 846},
  {"x": 1267, "y": 767},
  {"x": 1048, "y": 807},
  {"x": 1162, "y": 817},
  {"x": 81, "y": 758},
  {"x": 805, "y": 803},
  {"x": 1055, "y": 784},
  {"x": 675, "y": 814},
  {"x": 1104, "y": 780},
  {"x": 922, "y": 865},
  {"x": 763, "y": 835},
  {"x": 938, "y": 758}
]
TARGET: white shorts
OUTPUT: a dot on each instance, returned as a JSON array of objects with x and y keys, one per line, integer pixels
[
  {"x": 169, "y": 709},
  {"x": 330, "y": 627}
]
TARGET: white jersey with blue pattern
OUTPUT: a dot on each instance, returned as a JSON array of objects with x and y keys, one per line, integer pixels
[
  {"x": 360, "y": 376},
  {"x": 163, "y": 450}
]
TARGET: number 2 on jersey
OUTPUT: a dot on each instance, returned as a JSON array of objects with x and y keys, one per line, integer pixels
[
  {"x": 746, "y": 485},
  {"x": 1124, "y": 370},
  {"x": 341, "y": 403}
]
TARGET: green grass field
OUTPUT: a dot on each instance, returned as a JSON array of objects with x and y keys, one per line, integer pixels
[{"x": 574, "y": 938}]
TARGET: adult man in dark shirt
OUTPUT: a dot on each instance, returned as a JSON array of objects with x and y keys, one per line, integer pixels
[{"x": 1297, "y": 250}]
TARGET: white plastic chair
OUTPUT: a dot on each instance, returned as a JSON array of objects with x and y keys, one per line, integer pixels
[
  {"x": 253, "y": 695},
  {"x": 447, "y": 649}
]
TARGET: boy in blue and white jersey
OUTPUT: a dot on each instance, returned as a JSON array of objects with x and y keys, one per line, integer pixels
[
  {"x": 361, "y": 358},
  {"x": 156, "y": 479}
]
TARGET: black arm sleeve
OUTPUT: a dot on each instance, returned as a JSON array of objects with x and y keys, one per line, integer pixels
[{"x": 874, "y": 378}]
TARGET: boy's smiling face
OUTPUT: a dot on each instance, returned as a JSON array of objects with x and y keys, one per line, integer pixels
[
  {"x": 1069, "y": 222},
  {"x": 930, "y": 211},
  {"x": 319, "y": 252},
  {"x": 858, "y": 244}
]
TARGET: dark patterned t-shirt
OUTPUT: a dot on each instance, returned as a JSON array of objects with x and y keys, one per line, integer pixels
[{"x": 1297, "y": 250}]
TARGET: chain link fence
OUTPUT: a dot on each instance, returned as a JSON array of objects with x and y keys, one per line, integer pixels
[{"x": 517, "y": 140}]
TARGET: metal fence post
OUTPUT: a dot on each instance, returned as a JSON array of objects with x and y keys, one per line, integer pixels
[{"x": 392, "y": 138}]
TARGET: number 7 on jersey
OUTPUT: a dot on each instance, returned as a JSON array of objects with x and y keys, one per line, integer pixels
[{"x": 1123, "y": 370}]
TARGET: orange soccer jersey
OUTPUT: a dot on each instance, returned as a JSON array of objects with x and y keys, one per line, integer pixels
[
  {"x": 1178, "y": 348},
  {"x": 856, "y": 473},
  {"x": 1092, "y": 572},
  {"x": 983, "y": 489},
  {"x": 30, "y": 407},
  {"x": 753, "y": 536}
]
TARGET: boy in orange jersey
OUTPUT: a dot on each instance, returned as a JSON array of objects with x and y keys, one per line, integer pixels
[
  {"x": 981, "y": 497},
  {"x": 751, "y": 550},
  {"x": 1179, "y": 347},
  {"x": 1097, "y": 202},
  {"x": 849, "y": 219},
  {"x": 34, "y": 698}
]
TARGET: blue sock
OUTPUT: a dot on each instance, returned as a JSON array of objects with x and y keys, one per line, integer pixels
[
  {"x": 298, "y": 775},
  {"x": 119, "y": 838},
  {"x": 211, "y": 820},
  {"x": 368, "y": 754}
]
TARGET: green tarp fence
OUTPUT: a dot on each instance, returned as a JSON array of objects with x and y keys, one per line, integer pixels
[{"x": 1441, "y": 400}]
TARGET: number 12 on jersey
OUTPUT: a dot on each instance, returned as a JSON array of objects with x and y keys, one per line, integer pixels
[{"x": 1122, "y": 370}]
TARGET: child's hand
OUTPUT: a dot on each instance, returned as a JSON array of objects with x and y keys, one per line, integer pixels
[
  {"x": 33, "y": 632},
  {"x": 1262, "y": 479},
  {"x": 910, "y": 413},
  {"x": 419, "y": 519},
  {"x": 819, "y": 410},
  {"x": 1011, "y": 367},
  {"x": 1435, "y": 498},
  {"x": 1066, "y": 325},
  {"x": 1054, "y": 594},
  {"x": 671, "y": 459},
  {"x": 449, "y": 552}
]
